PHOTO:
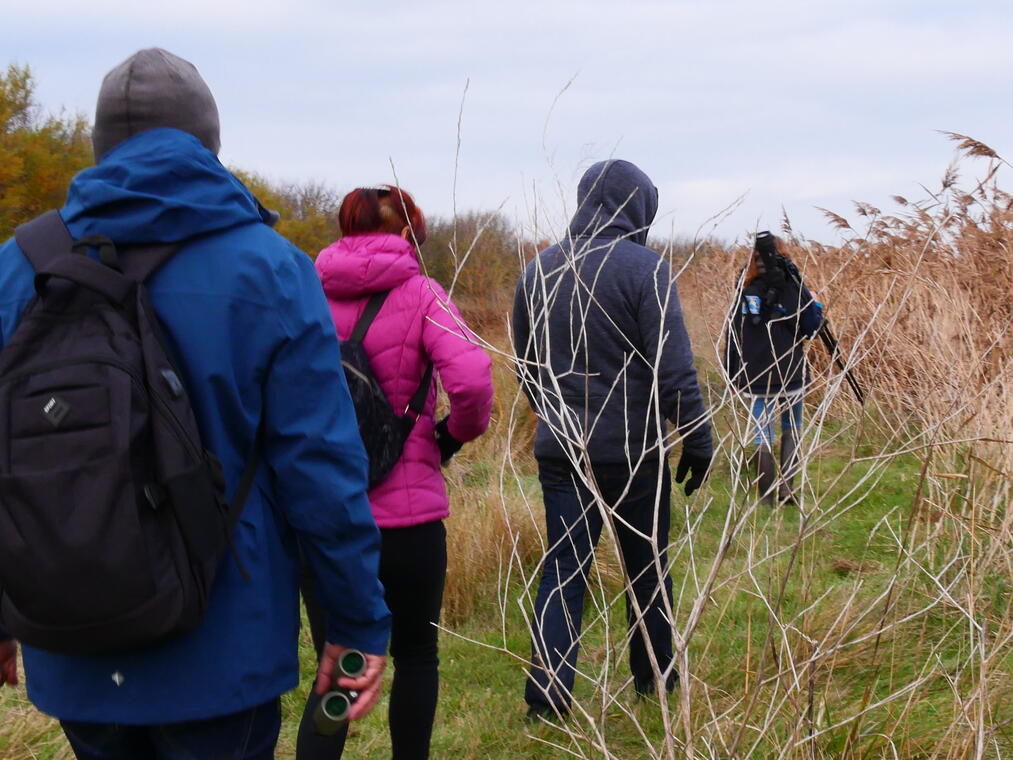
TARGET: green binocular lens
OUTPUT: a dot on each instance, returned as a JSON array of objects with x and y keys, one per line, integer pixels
[
  {"x": 331, "y": 712},
  {"x": 352, "y": 663},
  {"x": 335, "y": 705}
]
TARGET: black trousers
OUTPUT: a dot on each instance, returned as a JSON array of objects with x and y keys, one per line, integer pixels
[
  {"x": 413, "y": 569},
  {"x": 573, "y": 524}
]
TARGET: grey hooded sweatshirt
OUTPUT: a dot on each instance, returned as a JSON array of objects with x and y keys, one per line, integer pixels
[{"x": 604, "y": 357}]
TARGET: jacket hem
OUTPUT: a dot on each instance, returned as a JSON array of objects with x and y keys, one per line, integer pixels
[
  {"x": 409, "y": 521},
  {"x": 250, "y": 700}
]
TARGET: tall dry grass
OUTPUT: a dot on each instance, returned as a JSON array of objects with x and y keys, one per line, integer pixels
[{"x": 900, "y": 648}]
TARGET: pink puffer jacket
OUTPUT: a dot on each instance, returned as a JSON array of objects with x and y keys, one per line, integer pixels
[{"x": 416, "y": 324}]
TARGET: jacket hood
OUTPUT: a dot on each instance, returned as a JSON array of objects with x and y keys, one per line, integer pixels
[
  {"x": 614, "y": 199},
  {"x": 160, "y": 186},
  {"x": 358, "y": 265}
]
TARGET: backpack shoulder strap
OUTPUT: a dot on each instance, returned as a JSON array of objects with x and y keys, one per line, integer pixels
[
  {"x": 139, "y": 262},
  {"x": 418, "y": 401},
  {"x": 46, "y": 237},
  {"x": 43, "y": 239},
  {"x": 368, "y": 315}
]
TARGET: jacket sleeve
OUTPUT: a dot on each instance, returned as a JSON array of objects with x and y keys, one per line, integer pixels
[
  {"x": 319, "y": 466},
  {"x": 664, "y": 339},
  {"x": 464, "y": 367},
  {"x": 811, "y": 317}
]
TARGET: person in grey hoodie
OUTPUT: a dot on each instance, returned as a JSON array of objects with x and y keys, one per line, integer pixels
[{"x": 605, "y": 361}]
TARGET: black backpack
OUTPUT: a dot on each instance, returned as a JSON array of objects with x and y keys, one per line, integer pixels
[
  {"x": 112, "y": 514},
  {"x": 383, "y": 432}
]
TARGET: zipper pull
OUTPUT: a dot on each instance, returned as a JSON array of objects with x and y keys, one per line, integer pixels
[{"x": 174, "y": 383}]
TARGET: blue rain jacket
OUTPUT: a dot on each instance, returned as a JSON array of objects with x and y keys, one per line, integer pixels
[{"x": 247, "y": 318}]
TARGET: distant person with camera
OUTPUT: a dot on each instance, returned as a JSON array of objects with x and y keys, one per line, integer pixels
[
  {"x": 400, "y": 332},
  {"x": 765, "y": 359}
]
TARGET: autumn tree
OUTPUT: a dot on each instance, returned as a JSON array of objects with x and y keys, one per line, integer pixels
[{"x": 39, "y": 153}]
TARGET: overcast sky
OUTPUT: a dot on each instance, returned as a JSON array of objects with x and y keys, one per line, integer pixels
[{"x": 790, "y": 103}]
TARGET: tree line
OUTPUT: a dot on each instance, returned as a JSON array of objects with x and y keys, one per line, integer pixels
[{"x": 477, "y": 253}]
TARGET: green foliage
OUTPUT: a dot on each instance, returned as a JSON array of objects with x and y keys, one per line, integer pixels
[
  {"x": 483, "y": 658},
  {"x": 38, "y": 154}
]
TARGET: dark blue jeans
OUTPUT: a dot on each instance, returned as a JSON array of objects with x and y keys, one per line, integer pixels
[
  {"x": 247, "y": 735},
  {"x": 573, "y": 524}
]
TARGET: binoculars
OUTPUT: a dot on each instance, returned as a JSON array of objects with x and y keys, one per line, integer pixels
[{"x": 332, "y": 710}]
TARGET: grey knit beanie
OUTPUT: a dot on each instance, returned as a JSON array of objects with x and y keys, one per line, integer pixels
[{"x": 154, "y": 88}]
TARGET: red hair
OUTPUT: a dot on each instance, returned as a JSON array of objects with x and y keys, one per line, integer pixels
[
  {"x": 383, "y": 208},
  {"x": 753, "y": 271}
]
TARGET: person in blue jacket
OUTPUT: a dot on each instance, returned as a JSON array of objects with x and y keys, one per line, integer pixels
[
  {"x": 244, "y": 313},
  {"x": 606, "y": 363}
]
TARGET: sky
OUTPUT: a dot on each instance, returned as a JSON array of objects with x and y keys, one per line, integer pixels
[{"x": 754, "y": 107}]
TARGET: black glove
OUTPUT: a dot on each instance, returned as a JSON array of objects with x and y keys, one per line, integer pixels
[
  {"x": 697, "y": 464},
  {"x": 447, "y": 443}
]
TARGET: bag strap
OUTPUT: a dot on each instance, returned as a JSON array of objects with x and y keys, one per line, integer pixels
[
  {"x": 368, "y": 315},
  {"x": 139, "y": 262},
  {"x": 418, "y": 401},
  {"x": 88, "y": 273},
  {"x": 44, "y": 239}
]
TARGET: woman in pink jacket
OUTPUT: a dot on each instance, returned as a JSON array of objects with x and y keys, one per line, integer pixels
[{"x": 416, "y": 325}]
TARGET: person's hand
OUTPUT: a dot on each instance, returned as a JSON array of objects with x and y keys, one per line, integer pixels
[
  {"x": 694, "y": 464},
  {"x": 367, "y": 685},
  {"x": 8, "y": 663},
  {"x": 447, "y": 443}
]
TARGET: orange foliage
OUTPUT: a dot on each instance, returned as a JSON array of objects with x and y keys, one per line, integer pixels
[{"x": 38, "y": 154}]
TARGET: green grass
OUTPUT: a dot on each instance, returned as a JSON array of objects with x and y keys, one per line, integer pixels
[{"x": 852, "y": 551}]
